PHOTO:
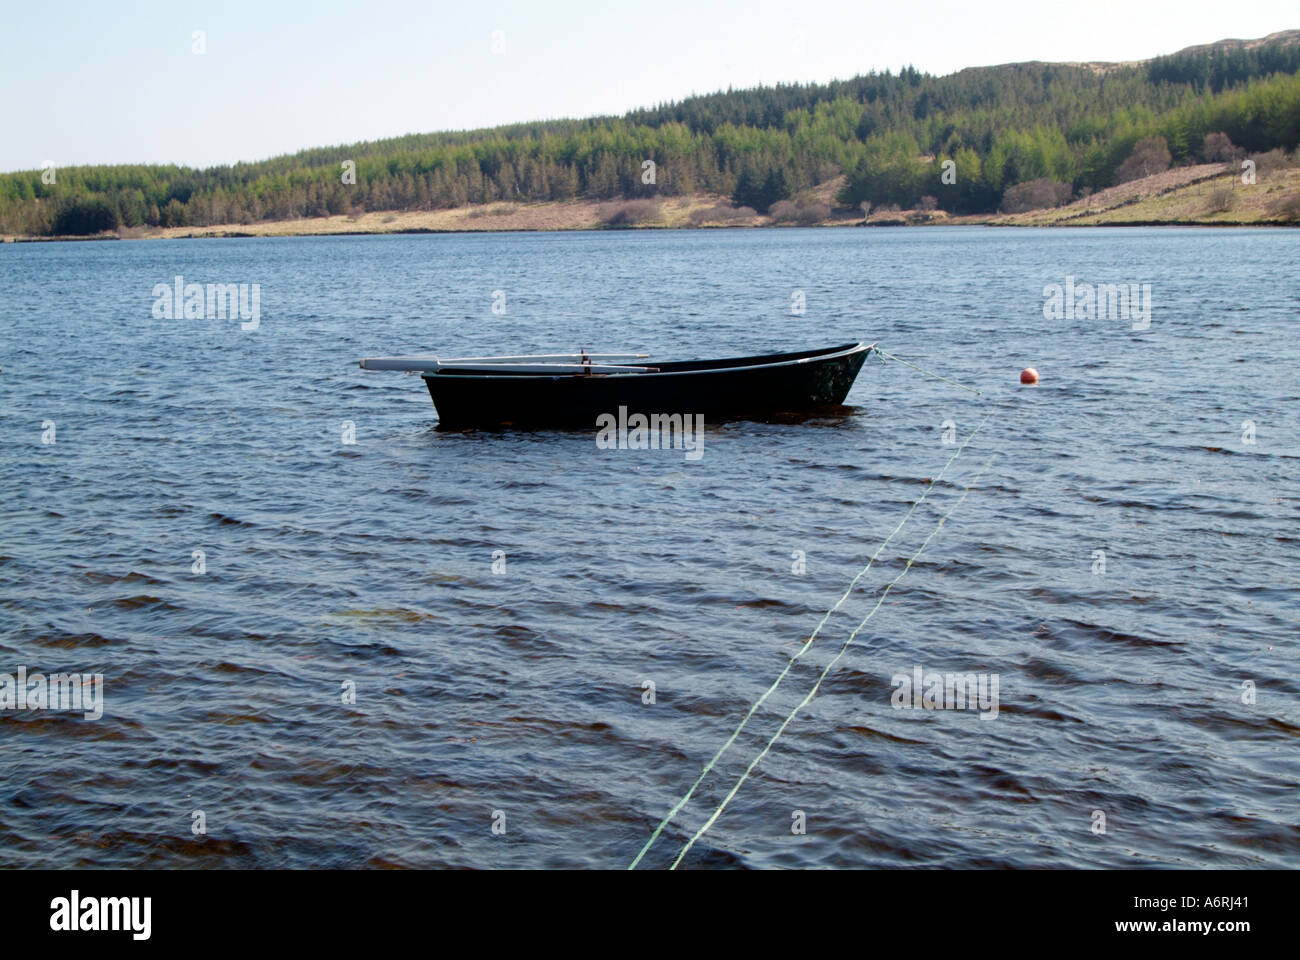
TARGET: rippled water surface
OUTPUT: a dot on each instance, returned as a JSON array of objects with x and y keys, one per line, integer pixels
[{"x": 517, "y": 697}]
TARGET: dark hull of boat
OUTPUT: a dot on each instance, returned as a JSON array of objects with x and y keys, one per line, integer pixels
[{"x": 740, "y": 388}]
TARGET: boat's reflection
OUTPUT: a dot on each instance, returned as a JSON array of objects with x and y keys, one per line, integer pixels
[{"x": 829, "y": 415}]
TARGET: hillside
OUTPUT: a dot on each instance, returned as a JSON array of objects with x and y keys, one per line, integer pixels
[
  {"x": 1206, "y": 194},
  {"x": 967, "y": 145}
]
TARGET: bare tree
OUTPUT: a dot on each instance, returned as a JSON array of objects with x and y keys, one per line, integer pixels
[
  {"x": 1035, "y": 195},
  {"x": 1218, "y": 148},
  {"x": 1150, "y": 156}
]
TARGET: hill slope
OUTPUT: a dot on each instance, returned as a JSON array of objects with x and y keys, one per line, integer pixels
[{"x": 957, "y": 143}]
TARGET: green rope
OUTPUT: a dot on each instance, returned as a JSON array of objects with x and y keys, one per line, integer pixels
[
  {"x": 928, "y": 373},
  {"x": 813, "y": 692},
  {"x": 807, "y": 645}
]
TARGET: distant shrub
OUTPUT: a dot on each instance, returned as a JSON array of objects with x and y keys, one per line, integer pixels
[
  {"x": 804, "y": 211},
  {"x": 492, "y": 210},
  {"x": 928, "y": 203},
  {"x": 1035, "y": 195},
  {"x": 1286, "y": 208},
  {"x": 721, "y": 213},
  {"x": 1275, "y": 159},
  {"x": 784, "y": 211},
  {"x": 1150, "y": 156},
  {"x": 816, "y": 211},
  {"x": 866, "y": 208},
  {"x": 1221, "y": 199},
  {"x": 630, "y": 213}
]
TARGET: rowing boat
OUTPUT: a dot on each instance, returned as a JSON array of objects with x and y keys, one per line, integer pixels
[{"x": 572, "y": 390}]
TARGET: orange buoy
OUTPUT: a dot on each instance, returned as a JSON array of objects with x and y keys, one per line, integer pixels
[{"x": 1029, "y": 375}]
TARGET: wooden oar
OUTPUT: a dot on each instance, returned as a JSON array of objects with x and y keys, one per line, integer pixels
[
  {"x": 560, "y": 368},
  {"x": 399, "y": 363},
  {"x": 433, "y": 364},
  {"x": 430, "y": 362},
  {"x": 544, "y": 357}
]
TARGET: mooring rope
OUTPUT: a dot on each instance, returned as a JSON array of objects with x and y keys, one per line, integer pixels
[
  {"x": 816, "y": 686},
  {"x": 928, "y": 373},
  {"x": 807, "y": 644}
]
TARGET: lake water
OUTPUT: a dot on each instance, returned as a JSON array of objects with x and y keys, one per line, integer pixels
[{"x": 1125, "y": 564}]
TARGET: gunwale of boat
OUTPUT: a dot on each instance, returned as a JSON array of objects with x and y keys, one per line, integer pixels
[{"x": 738, "y": 364}]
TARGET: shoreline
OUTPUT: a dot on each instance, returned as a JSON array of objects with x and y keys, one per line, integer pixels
[
  {"x": 214, "y": 234},
  {"x": 1206, "y": 195}
]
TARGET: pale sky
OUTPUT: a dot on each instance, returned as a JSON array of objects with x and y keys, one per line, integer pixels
[{"x": 120, "y": 82}]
